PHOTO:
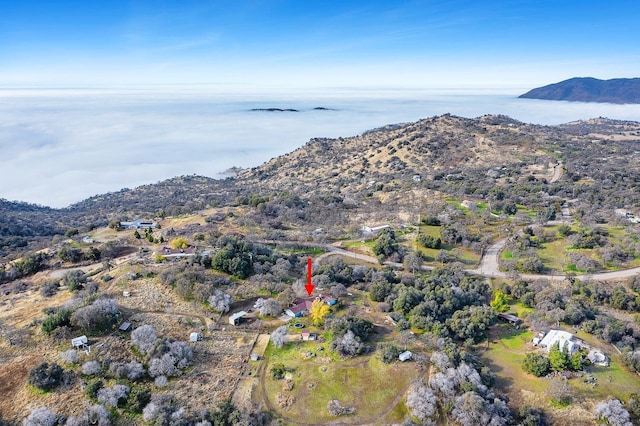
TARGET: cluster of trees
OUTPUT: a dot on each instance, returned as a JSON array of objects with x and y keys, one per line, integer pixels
[
  {"x": 166, "y": 358},
  {"x": 575, "y": 304},
  {"x": 234, "y": 257},
  {"x": 99, "y": 316},
  {"x": 349, "y": 335},
  {"x": 42, "y": 416},
  {"x": 558, "y": 360},
  {"x": 613, "y": 412},
  {"x": 458, "y": 393},
  {"x": 386, "y": 244},
  {"x": 27, "y": 265},
  {"x": 444, "y": 302},
  {"x": 73, "y": 254},
  {"x": 193, "y": 281}
]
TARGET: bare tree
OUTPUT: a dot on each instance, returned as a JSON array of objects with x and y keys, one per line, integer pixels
[
  {"x": 270, "y": 307},
  {"x": 70, "y": 356},
  {"x": 181, "y": 353},
  {"x": 144, "y": 338},
  {"x": 279, "y": 336},
  {"x": 220, "y": 301},
  {"x": 613, "y": 412},
  {"x": 440, "y": 361},
  {"x": 164, "y": 366},
  {"x": 113, "y": 395},
  {"x": 422, "y": 403},
  {"x": 347, "y": 346},
  {"x": 40, "y": 417},
  {"x": 338, "y": 290},
  {"x": 161, "y": 381},
  {"x": 90, "y": 368}
]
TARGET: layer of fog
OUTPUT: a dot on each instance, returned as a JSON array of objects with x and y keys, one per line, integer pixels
[{"x": 61, "y": 146}]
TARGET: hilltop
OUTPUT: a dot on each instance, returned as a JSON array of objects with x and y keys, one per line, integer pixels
[
  {"x": 448, "y": 155},
  {"x": 588, "y": 89}
]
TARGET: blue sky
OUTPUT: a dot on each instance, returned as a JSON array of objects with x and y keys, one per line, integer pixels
[{"x": 306, "y": 43}]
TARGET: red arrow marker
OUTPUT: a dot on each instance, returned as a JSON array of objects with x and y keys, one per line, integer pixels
[{"x": 309, "y": 285}]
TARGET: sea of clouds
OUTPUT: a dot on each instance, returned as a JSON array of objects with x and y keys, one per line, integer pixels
[{"x": 59, "y": 146}]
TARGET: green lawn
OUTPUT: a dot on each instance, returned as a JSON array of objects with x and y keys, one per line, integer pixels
[
  {"x": 505, "y": 358},
  {"x": 361, "y": 247},
  {"x": 363, "y": 382}
]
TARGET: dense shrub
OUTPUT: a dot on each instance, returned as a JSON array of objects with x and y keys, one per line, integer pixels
[
  {"x": 92, "y": 388},
  {"x": 70, "y": 356},
  {"x": 46, "y": 376},
  {"x": 536, "y": 364},
  {"x": 139, "y": 397},
  {"x": 389, "y": 353},
  {"x": 429, "y": 242},
  {"x": 61, "y": 318},
  {"x": 102, "y": 315},
  {"x": 49, "y": 288},
  {"x": 74, "y": 280}
]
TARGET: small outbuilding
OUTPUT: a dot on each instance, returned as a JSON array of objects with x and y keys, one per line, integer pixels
[
  {"x": 79, "y": 342},
  {"x": 126, "y": 293},
  {"x": 509, "y": 318},
  {"x": 308, "y": 336},
  {"x": 194, "y": 337},
  {"x": 255, "y": 357},
  {"x": 236, "y": 318},
  {"x": 126, "y": 326},
  {"x": 405, "y": 356}
]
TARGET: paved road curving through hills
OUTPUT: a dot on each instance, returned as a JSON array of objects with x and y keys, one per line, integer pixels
[{"x": 488, "y": 267}]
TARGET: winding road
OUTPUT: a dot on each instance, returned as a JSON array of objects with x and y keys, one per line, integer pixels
[{"x": 488, "y": 267}]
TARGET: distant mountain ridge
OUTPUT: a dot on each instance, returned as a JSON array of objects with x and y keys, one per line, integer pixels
[{"x": 589, "y": 89}]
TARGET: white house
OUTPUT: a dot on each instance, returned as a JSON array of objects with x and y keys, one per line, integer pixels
[
  {"x": 373, "y": 229},
  {"x": 564, "y": 339},
  {"x": 138, "y": 224}
]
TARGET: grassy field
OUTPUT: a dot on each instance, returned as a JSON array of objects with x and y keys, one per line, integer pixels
[
  {"x": 365, "y": 247},
  {"x": 373, "y": 388},
  {"x": 614, "y": 380},
  {"x": 504, "y": 357},
  {"x": 467, "y": 256},
  {"x": 555, "y": 253}
]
